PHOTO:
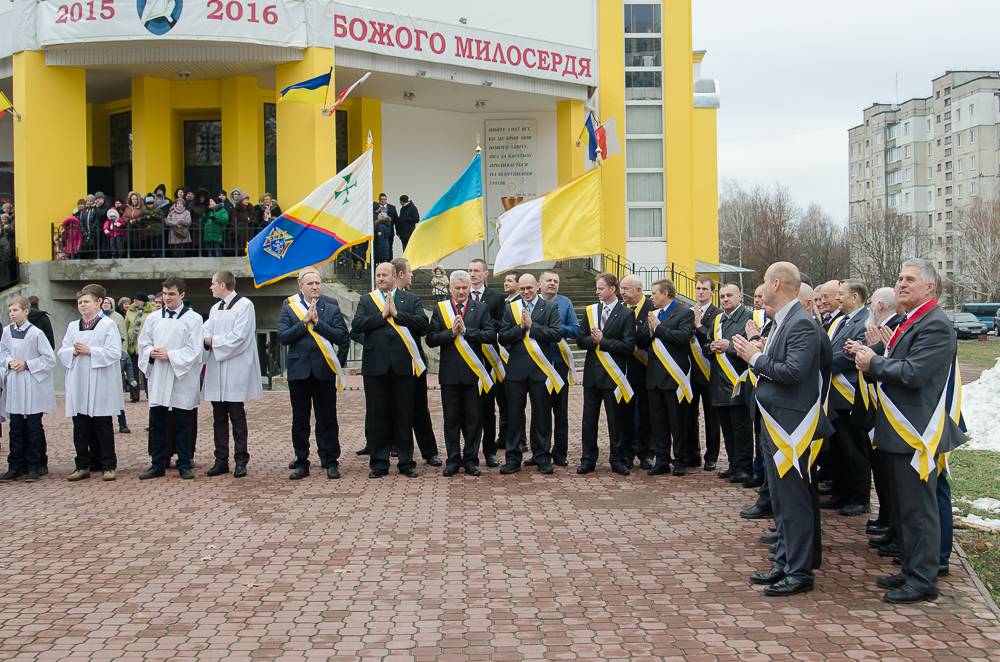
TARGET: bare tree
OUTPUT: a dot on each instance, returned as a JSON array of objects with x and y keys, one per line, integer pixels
[
  {"x": 977, "y": 248},
  {"x": 823, "y": 246},
  {"x": 773, "y": 238},
  {"x": 881, "y": 240},
  {"x": 738, "y": 208}
]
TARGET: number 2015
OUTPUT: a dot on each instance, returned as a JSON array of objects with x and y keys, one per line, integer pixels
[
  {"x": 234, "y": 11},
  {"x": 74, "y": 12}
]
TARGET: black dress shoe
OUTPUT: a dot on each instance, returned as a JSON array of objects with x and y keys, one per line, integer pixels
[
  {"x": 754, "y": 482},
  {"x": 409, "y": 473},
  {"x": 218, "y": 469},
  {"x": 492, "y": 461},
  {"x": 546, "y": 469},
  {"x": 585, "y": 469},
  {"x": 825, "y": 491},
  {"x": 878, "y": 543},
  {"x": 473, "y": 471},
  {"x": 43, "y": 471},
  {"x": 186, "y": 474},
  {"x": 363, "y": 451},
  {"x": 621, "y": 470},
  {"x": 877, "y": 530},
  {"x": 647, "y": 464},
  {"x": 787, "y": 587},
  {"x": 240, "y": 472},
  {"x": 560, "y": 461},
  {"x": 299, "y": 473},
  {"x": 679, "y": 470},
  {"x": 376, "y": 473},
  {"x": 853, "y": 510},
  {"x": 740, "y": 477},
  {"x": 897, "y": 561},
  {"x": 531, "y": 462},
  {"x": 659, "y": 471},
  {"x": 123, "y": 429},
  {"x": 873, "y": 522},
  {"x": 890, "y": 550},
  {"x": 728, "y": 473},
  {"x": 152, "y": 472},
  {"x": 709, "y": 466},
  {"x": 769, "y": 538},
  {"x": 291, "y": 465},
  {"x": 332, "y": 473},
  {"x": 434, "y": 461},
  {"x": 692, "y": 462},
  {"x": 891, "y": 582},
  {"x": 907, "y": 595},
  {"x": 772, "y": 529},
  {"x": 832, "y": 504},
  {"x": 449, "y": 471},
  {"x": 510, "y": 468},
  {"x": 756, "y": 512},
  {"x": 943, "y": 570},
  {"x": 772, "y": 576},
  {"x": 773, "y": 547}
]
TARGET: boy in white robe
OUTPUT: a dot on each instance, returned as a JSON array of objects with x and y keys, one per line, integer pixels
[
  {"x": 26, "y": 363},
  {"x": 91, "y": 351},
  {"x": 171, "y": 345},
  {"x": 232, "y": 371}
]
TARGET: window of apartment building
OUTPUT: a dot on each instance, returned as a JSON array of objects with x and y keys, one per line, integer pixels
[
  {"x": 959, "y": 191},
  {"x": 947, "y": 215},
  {"x": 878, "y": 160},
  {"x": 958, "y": 114},
  {"x": 852, "y": 150},
  {"x": 947, "y": 202},
  {"x": 878, "y": 182},
  {"x": 937, "y": 119},
  {"x": 894, "y": 177},
  {"x": 890, "y": 133},
  {"x": 868, "y": 184},
  {"x": 928, "y": 124},
  {"x": 947, "y": 140},
  {"x": 906, "y": 152},
  {"x": 878, "y": 203},
  {"x": 947, "y": 165},
  {"x": 939, "y": 167},
  {"x": 947, "y": 116},
  {"x": 937, "y": 95},
  {"x": 947, "y": 102},
  {"x": 950, "y": 265},
  {"x": 852, "y": 210},
  {"x": 947, "y": 128},
  {"x": 972, "y": 136},
  {"x": 947, "y": 190},
  {"x": 895, "y": 154},
  {"x": 930, "y": 149},
  {"x": 908, "y": 174},
  {"x": 930, "y": 221},
  {"x": 947, "y": 176},
  {"x": 947, "y": 91},
  {"x": 948, "y": 226},
  {"x": 972, "y": 188},
  {"x": 852, "y": 191},
  {"x": 852, "y": 171},
  {"x": 947, "y": 152},
  {"x": 894, "y": 200},
  {"x": 907, "y": 197},
  {"x": 930, "y": 196},
  {"x": 930, "y": 173},
  {"x": 878, "y": 138},
  {"x": 906, "y": 128},
  {"x": 972, "y": 163},
  {"x": 866, "y": 143},
  {"x": 958, "y": 137},
  {"x": 959, "y": 165}
]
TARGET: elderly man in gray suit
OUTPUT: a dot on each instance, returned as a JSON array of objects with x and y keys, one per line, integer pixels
[
  {"x": 790, "y": 397},
  {"x": 913, "y": 425}
]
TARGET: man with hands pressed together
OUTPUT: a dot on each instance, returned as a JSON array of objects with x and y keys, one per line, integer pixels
[
  {"x": 704, "y": 316},
  {"x": 460, "y": 327},
  {"x": 665, "y": 338},
  {"x": 641, "y": 306}
]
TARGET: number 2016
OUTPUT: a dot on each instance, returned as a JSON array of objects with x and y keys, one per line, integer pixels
[
  {"x": 234, "y": 11},
  {"x": 74, "y": 12}
]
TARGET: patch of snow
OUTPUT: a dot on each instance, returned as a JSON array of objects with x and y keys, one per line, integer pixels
[
  {"x": 987, "y": 504},
  {"x": 982, "y": 521},
  {"x": 981, "y": 409}
]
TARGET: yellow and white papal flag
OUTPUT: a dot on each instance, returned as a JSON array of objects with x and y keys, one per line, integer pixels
[{"x": 562, "y": 224}]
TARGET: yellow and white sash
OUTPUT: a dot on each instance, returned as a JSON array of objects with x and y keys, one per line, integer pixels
[
  {"x": 404, "y": 333},
  {"x": 724, "y": 363},
  {"x": 699, "y": 359},
  {"x": 622, "y": 388},
  {"x": 834, "y": 325},
  {"x": 924, "y": 444},
  {"x": 684, "y": 391},
  {"x": 329, "y": 353},
  {"x": 567, "y": 354},
  {"x": 640, "y": 354},
  {"x": 470, "y": 356},
  {"x": 744, "y": 376},
  {"x": 760, "y": 317},
  {"x": 844, "y": 387},
  {"x": 553, "y": 382},
  {"x": 496, "y": 360},
  {"x": 791, "y": 446}
]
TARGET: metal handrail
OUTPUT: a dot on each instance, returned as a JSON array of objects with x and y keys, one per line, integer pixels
[{"x": 149, "y": 241}]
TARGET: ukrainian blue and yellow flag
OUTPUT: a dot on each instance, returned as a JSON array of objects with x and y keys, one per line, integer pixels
[
  {"x": 313, "y": 90},
  {"x": 454, "y": 222},
  {"x": 336, "y": 215}
]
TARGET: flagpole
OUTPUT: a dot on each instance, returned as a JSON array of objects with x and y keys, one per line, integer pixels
[
  {"x": 486, "y": 216},
  {"x": 371, "y": 242},
  {"x": 326, "y": 101}
]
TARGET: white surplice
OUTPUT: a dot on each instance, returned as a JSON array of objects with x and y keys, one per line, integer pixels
[
  {"x": 232, "y": 367},
  {"x": 94, "y": 381},
  {"x": 30, "y": 391},
  {"x": 175, "y": 382}
]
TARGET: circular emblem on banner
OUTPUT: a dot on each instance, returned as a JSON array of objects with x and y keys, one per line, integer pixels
[{"x": 159, "y": 16}]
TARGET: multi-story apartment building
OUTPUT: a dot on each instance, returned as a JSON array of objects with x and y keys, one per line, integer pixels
[{"x": 929, "y": 158}]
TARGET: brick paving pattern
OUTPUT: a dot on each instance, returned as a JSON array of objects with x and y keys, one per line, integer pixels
[{"x": 493, "y": 568}]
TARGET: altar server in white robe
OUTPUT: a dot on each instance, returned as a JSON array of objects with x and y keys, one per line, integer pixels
[
  {"x": 232, "y": 371},
  {"x": 91, "y": 352},
  {"x": 26, "y": 363},
  {"x": 171, "y": 345}
]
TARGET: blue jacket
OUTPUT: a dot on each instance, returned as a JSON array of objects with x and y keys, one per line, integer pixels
[
  {"x": 570, "y": 325},
  {"x": 304, "y": 356}
]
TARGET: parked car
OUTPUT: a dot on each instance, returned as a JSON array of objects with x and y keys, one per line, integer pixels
[
  {"x": 986, "y": 312},
  {"x": 967, "y": 325},
  {"x": 996, "y": 323}
]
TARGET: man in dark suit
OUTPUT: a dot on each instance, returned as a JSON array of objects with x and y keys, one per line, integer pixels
[
  {"x": 460, "y": 327},
  {"x": 407, "y": 221},
  {"x": 311, "y": 381},
  {"x": 790, "y": 396},
  {"x": 665, "y": 337},
  {"x": 548, "y": 289},
  {"x": 849, "y": 465},
  {"x": 390, "y": 211},
  {"x": 511, "y": 293},
  {"x": 641, "y": 307},
  {"x": 478, "y": 273},
  {"x": 913, "y": 383},
  {"x": 609, "y": 341},
  {"x": 826, "y": 302},
  {"x": 528, "y": 335},
  {"x": 737, "y": 427},
  {"x": 391, "y": 321},
  {"x": 704, "y": 315}
]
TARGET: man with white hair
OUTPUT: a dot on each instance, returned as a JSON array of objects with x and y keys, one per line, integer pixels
[
  {"x": 914, "y": 376},
  {"x": 641, "y": 306},
  {"x": 826, "y": 302},
  {"x": 460, "y": 327}
]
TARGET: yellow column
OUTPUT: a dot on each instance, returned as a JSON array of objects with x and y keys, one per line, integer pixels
[
  {"x": 678, "y": 110},
  {"x": 242, "y": 135},
  {"x": 50, "y": 149},
  {"x": 705, "y": 162},
  {"x": 98, "y": 135},
  {"x": 569, "y": 123},
  {"x": 611, "y": 45},
  {"x": 153, "y": 135},
  {"x": 307, "y": 154},
  {"x": 364, "y": 115}
]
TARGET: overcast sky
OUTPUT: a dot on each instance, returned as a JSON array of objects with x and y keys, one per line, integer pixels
[{"x": 794, "y": 76}]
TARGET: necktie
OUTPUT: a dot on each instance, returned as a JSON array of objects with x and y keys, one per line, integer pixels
[
  {"x": 529, "y": 307},
  {"x": 604, "y": 316},
  {"x": 476, "y": 295},
  {"x": 171, "y": 313}
]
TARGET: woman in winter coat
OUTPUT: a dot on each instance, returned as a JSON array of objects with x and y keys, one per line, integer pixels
[
  {"x": 245, "y": 222},
  {"x": 72, "y": 237},
  {"x": 152, "y": 227},
  {"x": 198, "y": 206},
  {"x": 131, "y": 217},
  {"x": 114, "y": 228},
  {"x": 214, "y": 220},
  {"x": 179, "y": 222}
]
